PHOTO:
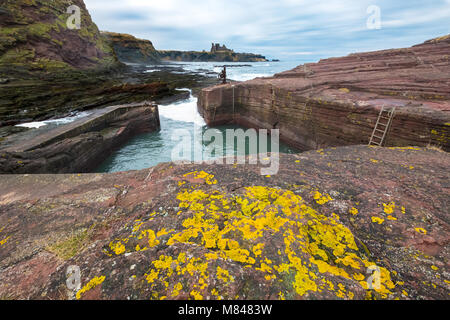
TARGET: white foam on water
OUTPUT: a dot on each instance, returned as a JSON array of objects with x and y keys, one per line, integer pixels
[
  {"x": 185, "y": 111},
  {"x": 248, "y": 76},
  {"x": 39, "y": 124},
  {"x": 152, "y": 70}
]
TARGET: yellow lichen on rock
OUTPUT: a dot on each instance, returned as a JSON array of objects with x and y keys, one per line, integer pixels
[
  {"x": 377, "y": 220},
  {"x": 421, "y": 230},
  {"x": 117, "y": 247},
  {"x": 2, "y": 242},
  {"x": 315, "y": 247},
  {"x": 208, "y": 178},
  {"x": 90, "y": 285},
  {"x": 5, "y": 240},
  {"x": 389, "y": 208},
  {"x": 322, "y": 199}
]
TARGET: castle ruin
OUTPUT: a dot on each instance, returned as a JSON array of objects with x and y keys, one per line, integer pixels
[{"x": 216, "y": 48}]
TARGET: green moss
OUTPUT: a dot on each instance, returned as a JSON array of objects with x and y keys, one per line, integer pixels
[
  {"x": 71, "y": 246},
  {"x": 17, "y": 56},
  {"x": 41, "y": 30}
]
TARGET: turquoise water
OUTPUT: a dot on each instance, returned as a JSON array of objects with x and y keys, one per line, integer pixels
[
  {"x": 148, "y": 150},
  {"x": 181, "y": 124}
]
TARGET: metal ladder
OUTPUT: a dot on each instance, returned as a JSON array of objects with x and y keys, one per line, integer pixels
[{"x": 382, "y": 127}]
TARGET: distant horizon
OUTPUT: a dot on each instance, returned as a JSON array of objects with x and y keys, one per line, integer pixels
[{"x": 287, "y": 29}]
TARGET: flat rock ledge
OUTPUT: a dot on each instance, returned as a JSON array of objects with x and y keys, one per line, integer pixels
[
  {"x": 342, "y": 223},
  {"x": 337, "y": 101},
  {"x": 80, "y": 146}
]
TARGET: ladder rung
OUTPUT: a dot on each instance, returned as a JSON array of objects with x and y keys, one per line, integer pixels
[{"x": 385, "y": 114}]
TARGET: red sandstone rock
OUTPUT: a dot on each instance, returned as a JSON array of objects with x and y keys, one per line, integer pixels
[
  {"x": 336, "y": 101},
  {"x": 356, "y": 205},
  {"x": 80, "y": 146}
]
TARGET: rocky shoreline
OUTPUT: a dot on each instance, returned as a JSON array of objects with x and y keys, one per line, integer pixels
[
  {"x": 80, "y": 146},
  {"x": 133, "y": 50},
  {"x": 123, "y": 95},
  {"x": 37, "y": 97},
  {"x": 337, "y": 101},
  {"x": 204, "y": 56},
  {"x": 328, "y": 224}
]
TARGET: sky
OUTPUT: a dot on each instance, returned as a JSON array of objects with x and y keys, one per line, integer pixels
[{"x": 284, "y": 29}]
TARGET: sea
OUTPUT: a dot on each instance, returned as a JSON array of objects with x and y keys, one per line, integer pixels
[{"x": 182, "y": 133}]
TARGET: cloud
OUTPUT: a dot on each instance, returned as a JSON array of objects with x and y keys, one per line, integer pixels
[{"x": 275, "y": 28}]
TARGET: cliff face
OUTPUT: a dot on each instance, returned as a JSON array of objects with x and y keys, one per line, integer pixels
[
  {"x": 204, "y": 56},
  {"x": 34, "y": 35},
  {"x": 131, "y": 49},
  {"x": 80, "y": 146},
  {"x": 337, "y": 101},
  {"x": 317, "y": 230}
]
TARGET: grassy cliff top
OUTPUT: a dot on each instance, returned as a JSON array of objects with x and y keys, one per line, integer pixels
[
  {"x": 34, "y": 35},
  {"x": 131, "y": 49},
  {"x": 316, "y": 230}
]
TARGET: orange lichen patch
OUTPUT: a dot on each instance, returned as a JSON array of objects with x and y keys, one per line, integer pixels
[
  {"x": 389, "y": 208},
  {"x": 117, "y": 247},
  {"x": 196, "y": 295},
  {"x": 138, "y": 226},
  {"x": 442, "y": 137},
  {"x": 164, "y": 268},
  {"x": 224, "y": 275},
  {"x": 5, "y": 240},
  {"x": 314, "y": 247},
  {"x": 150, "y": 235},
  {"x": 321, "y": 199},
  {"x": 90, "y": 285},
  {"x": 176, "y": 290},
  {"x": 377, "y": 220},
  {"x": 257, "y": 249},
  {"x": 164, "y": 232},
  {"x": 202, "y": 175},
  {"x": 421, "y": 230},
  {"x": 2, "y": 242}
]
